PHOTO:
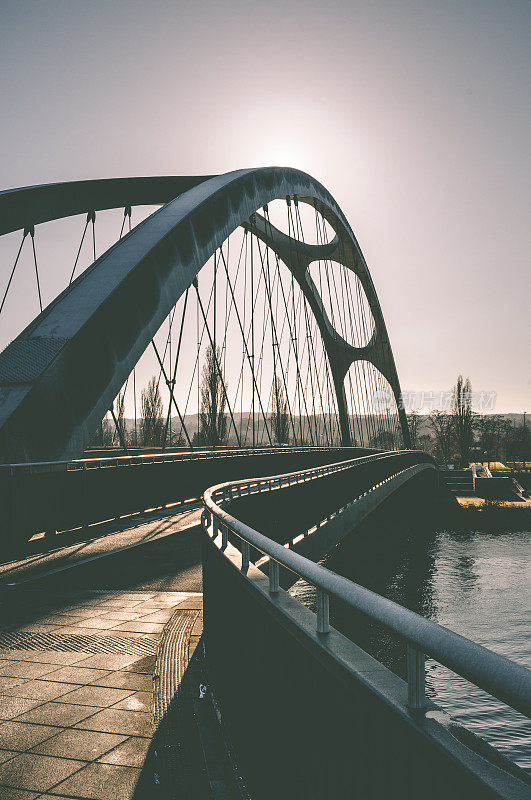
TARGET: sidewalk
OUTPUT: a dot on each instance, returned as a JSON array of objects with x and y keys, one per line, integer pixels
[
  {"x": 95, "y": 638},
  {"x": 78, "y": 690}
]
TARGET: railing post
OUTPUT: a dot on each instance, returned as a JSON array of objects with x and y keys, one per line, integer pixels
[
  {"x": 416, "y": 678},
  {"x": 84, "y": 493},
  {"x": 323, "y": 612},
  {"x": 224, "y": 536},
  {"x": 245, "y": 555},
  {"x": 274, "y": 577}
]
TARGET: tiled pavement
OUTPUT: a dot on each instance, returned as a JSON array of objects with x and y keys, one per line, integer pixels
[{"x": 76, "y": 722}]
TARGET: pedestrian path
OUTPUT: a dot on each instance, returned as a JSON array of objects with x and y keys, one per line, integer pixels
[
  {"x": 95, "y": 543},
  {"x": 80, "y": 690}
]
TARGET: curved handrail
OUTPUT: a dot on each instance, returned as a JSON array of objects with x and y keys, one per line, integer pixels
[
  {"x": 168, "y": 456},
  {"x": 496, "y": 674}
]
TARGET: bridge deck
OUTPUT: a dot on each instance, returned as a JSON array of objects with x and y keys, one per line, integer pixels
[{"x": 86, "y": 673}]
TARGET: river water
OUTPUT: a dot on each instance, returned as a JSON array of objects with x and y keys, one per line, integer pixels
[{"x": 474, "y": 582}]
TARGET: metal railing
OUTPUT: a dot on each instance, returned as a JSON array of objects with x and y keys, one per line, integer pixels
[
  {"x": 495, "y": 674},
  {"x": 102, "y": 462}
]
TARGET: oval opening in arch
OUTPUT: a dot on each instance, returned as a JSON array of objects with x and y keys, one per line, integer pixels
[
  {"x": 372, "y": 408},
  {"x": 344, "y": 301},
  {"x": 301, "y": 221}
]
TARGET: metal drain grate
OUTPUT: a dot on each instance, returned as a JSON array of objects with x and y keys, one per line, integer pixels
[{"x": 115, "y": 645}]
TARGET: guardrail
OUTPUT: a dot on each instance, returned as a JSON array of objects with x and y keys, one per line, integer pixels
[
  {"x": 160, "y": 458},
  {"x": 495, "y": 674},
  {"x": 65, "y": 495}
]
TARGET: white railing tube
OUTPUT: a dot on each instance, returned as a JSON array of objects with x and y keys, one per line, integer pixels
[
  {"x": 274, "y": 577},
  {"x": 416, "y": 678},
  {"x": 323, "y": 612},
  {"x": 245, "y": 555}
]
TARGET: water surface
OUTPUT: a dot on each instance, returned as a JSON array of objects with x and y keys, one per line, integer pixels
[{"x": 475, "y": 583}]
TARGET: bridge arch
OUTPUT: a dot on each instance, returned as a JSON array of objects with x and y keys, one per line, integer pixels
[{"x": 61, "y": 374}]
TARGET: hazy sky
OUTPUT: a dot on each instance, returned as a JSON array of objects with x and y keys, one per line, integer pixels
[{"x": 415, "y": 114}]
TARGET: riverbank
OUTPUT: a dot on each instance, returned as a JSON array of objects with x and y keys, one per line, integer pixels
[
  {"x": 479, "y": 503},
  {"x": 474, "y": 511}
]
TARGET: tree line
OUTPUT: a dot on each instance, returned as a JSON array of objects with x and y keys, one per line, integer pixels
[
  {"x": 154, "y": 428},
  {"x": 460, "y": 435}
]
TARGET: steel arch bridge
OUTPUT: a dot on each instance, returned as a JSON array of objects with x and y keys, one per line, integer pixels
[{"x": 291, "y": 342}]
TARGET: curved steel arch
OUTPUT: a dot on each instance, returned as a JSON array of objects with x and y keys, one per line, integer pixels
[
  {"x": 31, "y": 205},
  {"x": 61, "y": 374}
]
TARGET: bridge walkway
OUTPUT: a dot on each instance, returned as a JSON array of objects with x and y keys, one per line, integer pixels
[{"x": 91, "y": 660}]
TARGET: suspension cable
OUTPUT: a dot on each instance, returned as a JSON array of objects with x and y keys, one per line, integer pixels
[
  {"x": 79, "y": 249},
  {"x": 24, "y": 234},
  {"x": 32, "y": 234},
  {"x": 172, "y": 387},
  {"x": 172, "y": 398}
]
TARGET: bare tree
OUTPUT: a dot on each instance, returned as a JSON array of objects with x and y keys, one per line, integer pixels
[
  {"x": 441, "y": 423},
  {"x": 176, "y": 439},
  {"x": 383, "y": 440},
  {"x": 425, "y": 442},
  {"x": 525, "y": 444},
  {"x": 519, "y": 444},
  {"x": 103, "y": 435},
  {"x": 120, "y": 431},
  {"x": 463, "y": 418},
  {"x": 152, "y": 418},
  {"x": 279, "y": 417},
  {"x": 413, "y": 422},
  {"x": 212, "y": 417},
  {"x": 495, "y": 436}
]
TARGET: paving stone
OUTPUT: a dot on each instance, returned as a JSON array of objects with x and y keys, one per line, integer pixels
[
  {"x": 191, "y": 602},
  {"x": 40, "y": 689},
  {"x": 96, "y": 696},
  {"x": 72, "y": 615},
  {"x": 54, "y": 713},
  {"x": 31, "y": 771},
  {"x": 143, "y": 665},
  {"x": 124, "y": 616},
  {"x": 22, "y": 735},
  {"x": 139, "y": 701},
  {"x": 99, "y": 622},
  {"x": 5, "y": 755},
  {"x": 101, "y": 782},
  {"x": 81, "y": 745},
  {"x": 108, "y": 661},
  {"x": 111, "y": 720},
  {"x": 8, "y": 793},
  {"x": 24, "y": 669},
  {"x": 174, "y": 598},
  {"x": 75, "y": 630},
  {"x": 158, "y": 616},
  {"x": 141, "y": 627},
  {"x": 126, "y": 680},
  {"x": 64, "y": 619},
  {"x": 9, "y": 683},
  {"x": 139, "y": 596},
  {"x": 13, "y": 706},
  {"x": 44, "y": 656},
  {"x": 81, "y": 675},
  {"x": 131, "y": 753},
  {"x": 149, "y": 608}
]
